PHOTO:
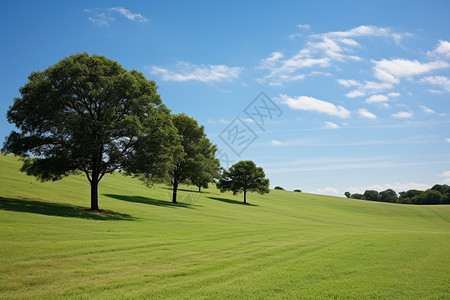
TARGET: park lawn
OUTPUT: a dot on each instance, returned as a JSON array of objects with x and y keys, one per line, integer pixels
[{"x": 282, "y": 245}]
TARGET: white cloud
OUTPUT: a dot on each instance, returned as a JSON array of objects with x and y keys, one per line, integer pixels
[
  {"x": 393, "y": 94},
  {"x": 348, "y": 82},
  {"x": 331, "y": 125},
  {"x": 367, "y": 87},
  {"x": 443, "y": 48},
  {"x": 392, "y": 70},
  {"x": 362, "y": 31},
  {"x": 329, "y": 191},
  {"x": 446, "y": 174},
  {"x": 366, "y": 114},
  {"x": 276, "y": 143},
  {"x": 105, "y": 16},
  {"x": 427, "y": 110},
  {"x": 304, "y": 26},
  {"x": 448, "y": 140},
  {"x": 440, "y": 81},
  {"x": 320, "y": 51},
  {"x": 355, "y": 93},
  {"x": 403, "y": 115},
  {"x": 282, "y": 71},
  {"x": 185, "y": 71},
  {"x": 312, "y": 104},
  {"x": 377, "y": 99},
  {"x": 129, "y": 15}
]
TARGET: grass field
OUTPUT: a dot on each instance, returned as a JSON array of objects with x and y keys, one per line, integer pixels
[{"x": 282, "y": 245}]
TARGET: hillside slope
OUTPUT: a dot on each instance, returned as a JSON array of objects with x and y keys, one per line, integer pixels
[{"x": 282, "y": 245}]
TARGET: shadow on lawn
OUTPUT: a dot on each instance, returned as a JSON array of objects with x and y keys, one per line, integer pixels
[
  {"x": 194, "y": 190},
  {"x": 231, "y": 201},
  {"x": 146, "y": 200},
  {"x": 57, "y": 209}
]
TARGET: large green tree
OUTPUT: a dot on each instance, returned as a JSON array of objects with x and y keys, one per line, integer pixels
[
  {"x": 85, "y": 114},
  {"x": 244, "y": 176},
  {"x": 194, "y": 156}
]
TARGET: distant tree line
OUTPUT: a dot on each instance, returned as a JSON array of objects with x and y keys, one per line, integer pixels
[{"x": 438, "y": 194}]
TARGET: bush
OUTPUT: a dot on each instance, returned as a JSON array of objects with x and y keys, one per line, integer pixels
[
  {"x": 347, "y": 194},
  {"x": 298, "y": 191},
  {"x": 279, "y": 188}
]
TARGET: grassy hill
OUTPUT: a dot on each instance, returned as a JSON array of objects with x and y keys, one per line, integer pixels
[{"x": 282, "y": 245}]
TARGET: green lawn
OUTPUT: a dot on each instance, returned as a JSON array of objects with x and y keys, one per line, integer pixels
[{"x": 283, "y": 245}]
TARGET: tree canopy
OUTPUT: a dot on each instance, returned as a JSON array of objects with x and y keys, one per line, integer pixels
[
  {"x": 244, "y": 176},
  {"x": 85, "y": 113}
]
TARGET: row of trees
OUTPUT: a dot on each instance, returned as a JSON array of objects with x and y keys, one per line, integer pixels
[
  {"x": 438, "y": 194},
  {"x": 88, "y": 114}
]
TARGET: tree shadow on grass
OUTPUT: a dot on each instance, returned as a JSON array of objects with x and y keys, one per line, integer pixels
[
  {"x": 231, "y": 201},
  {"x": 182, "y": 189},
  {"x": 44, "y": 207},
  {"x": 149, "y": 201}
]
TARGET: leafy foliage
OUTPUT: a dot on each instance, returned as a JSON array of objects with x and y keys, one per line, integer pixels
[{"x": 278, "y": 188}]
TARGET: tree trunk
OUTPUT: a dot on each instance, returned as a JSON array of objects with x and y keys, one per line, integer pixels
[
  {"x": 94, "y": 193},
  {"x": 199, "y": 188},
  {"x": 245, "y": 196},
  {"x": 174, "y": 193}
]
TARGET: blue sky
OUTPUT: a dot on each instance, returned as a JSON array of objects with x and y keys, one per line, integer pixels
[{"x": 358, "y": 92}]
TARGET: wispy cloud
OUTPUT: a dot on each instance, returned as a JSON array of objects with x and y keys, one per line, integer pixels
[
  {"x": 185, "y": 71},
  {"x": 106, "y": 16},
  {"x": 442, "y": 82},
  {"x": 312, "y": 104},
  {"x": 331, "y": 125},
  {"x": 363, "y": 89},
  {"x": 364, "y": 113},
  {"x": 353, "y": 165},
  {"x": 427, "y": 110},
  {"x": 446, "y": 174},
  {"x": 276, "y": 143},
  {"x": 329, "y": 191},
  {"x": 320, "y": 51},
  {"x": 403, "y": 115}
]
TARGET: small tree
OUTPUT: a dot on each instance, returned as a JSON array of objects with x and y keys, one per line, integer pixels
[
  {"x": 194, "y": 157},
  {"x": 348, "y": 194},
  {"x": 208, "y": 171},
  {"x": 83, "y": 114},
  {"x": 244, "y": 176},
  {"x": 371, "y": 195},
  {"x": 388, "y": 195}
]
